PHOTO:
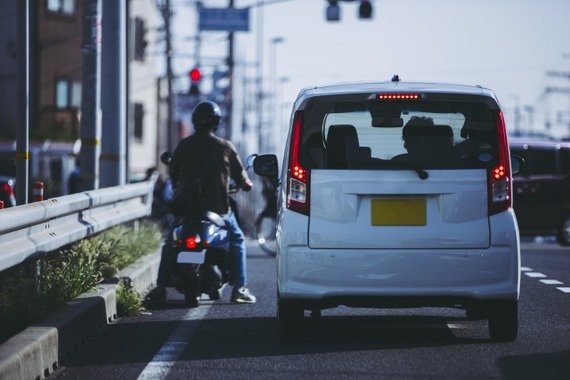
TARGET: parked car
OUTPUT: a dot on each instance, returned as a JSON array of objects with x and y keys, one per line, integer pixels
[
  {"x": 396, "y": 194},
  {"x": 541, "y": 190},
  {"x": 7, "y": 187}
]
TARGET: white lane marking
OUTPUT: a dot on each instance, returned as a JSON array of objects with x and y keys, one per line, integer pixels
[
  {"x": 525, "y": 269},
  {"x": 565, "y": 290},
  {"x": 161, "y": 364},
  {"x": 535, "y": 274},
  {"x": 551, "y": 282}
]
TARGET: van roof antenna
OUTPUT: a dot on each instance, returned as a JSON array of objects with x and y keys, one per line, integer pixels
[{"x": 396, "y": 78}]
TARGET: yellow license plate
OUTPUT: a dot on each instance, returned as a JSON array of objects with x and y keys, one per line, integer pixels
[{"x": 399, "y": 212}]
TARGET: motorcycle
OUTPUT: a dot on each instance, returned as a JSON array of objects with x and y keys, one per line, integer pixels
[{"x": 198, "y": 254}]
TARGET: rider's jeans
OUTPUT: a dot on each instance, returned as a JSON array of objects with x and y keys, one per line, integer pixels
[
  {"x": 238, "y": 262},
  {"x": 237, "y": 251}
]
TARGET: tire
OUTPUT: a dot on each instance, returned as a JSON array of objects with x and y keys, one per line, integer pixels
[
  {"x": 191, "y": 300},
  {"x": 289, "y": 320},
  {"x": 503, "y": 320},
  {"x": 214, "y": 294},
  {"x": 265, "y": 231},
  {"x": 192, "y": 291},
  {"x": 563, "y": 235}
]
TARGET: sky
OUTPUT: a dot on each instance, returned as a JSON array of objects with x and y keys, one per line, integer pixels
[{"x": 505, "y": 45}]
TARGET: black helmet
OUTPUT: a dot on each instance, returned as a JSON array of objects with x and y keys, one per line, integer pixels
[{"x": 206, "y": 115}]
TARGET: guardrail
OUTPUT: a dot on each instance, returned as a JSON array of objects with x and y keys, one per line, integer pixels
[{"x": 32, "y": 230}]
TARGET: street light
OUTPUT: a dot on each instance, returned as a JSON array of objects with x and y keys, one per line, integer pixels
[{"x": 273, "y": 124}]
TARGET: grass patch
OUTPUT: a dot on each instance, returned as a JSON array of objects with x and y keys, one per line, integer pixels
[
  {"x": 129, "y": 301},
  {"x": 30, "y": 291}
]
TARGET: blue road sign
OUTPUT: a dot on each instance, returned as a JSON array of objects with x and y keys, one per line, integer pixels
[{"x": 224, "y": 19}]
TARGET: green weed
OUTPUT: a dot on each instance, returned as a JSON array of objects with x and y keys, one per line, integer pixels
[{"x": 30, "y": 291}]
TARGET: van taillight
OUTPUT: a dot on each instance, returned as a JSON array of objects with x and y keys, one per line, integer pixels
[
  {"x": 297, "y": 176},
  {"x": 499, "y": 177}
]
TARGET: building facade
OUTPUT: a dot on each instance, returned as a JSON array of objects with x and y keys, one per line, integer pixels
[{"x": 56, "y": 78}]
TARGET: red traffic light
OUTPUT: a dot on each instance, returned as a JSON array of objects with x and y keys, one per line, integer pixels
[{"x": 195, "y": 75}]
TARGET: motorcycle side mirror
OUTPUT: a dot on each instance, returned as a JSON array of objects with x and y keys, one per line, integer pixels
[
  {"x": 249, "y": 160},
  {"x": 266, "y": 165},
  {"x": 165, "y": 158}
]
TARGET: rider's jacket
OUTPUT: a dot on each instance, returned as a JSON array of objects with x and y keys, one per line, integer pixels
[{"x": 214, "y": 160}]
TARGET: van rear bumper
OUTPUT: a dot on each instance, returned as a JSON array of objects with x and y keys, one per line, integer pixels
[{"x": 399, "y": 277}]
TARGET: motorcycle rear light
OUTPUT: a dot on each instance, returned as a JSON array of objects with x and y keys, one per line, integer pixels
[{"x": 192, "y": 242}]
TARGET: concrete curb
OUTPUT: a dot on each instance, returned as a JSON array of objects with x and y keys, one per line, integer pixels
[{"x": 40, "y": 349}]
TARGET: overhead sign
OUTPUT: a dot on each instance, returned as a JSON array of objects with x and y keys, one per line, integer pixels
[{"x": 224, "y": 19}]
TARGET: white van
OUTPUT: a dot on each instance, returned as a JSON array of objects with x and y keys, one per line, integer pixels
[{"x": 397, "y": 195}]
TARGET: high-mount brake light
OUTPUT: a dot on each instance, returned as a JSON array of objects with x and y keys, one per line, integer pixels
[
  {"x": 499, "y": 181},
  {"x": 298, "y": 178},
  {"x": 399, "y": 96}
]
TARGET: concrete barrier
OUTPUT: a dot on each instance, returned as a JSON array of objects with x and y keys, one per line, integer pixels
[{"x": 39, "y": 350}]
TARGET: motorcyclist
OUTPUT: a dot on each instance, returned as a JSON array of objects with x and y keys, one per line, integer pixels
[{"x": 215, "y": 161}]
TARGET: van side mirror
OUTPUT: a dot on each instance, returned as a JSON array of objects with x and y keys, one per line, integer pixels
[
  {"x": 266, "y": 165},
  {"x": 517, "y": 163}
]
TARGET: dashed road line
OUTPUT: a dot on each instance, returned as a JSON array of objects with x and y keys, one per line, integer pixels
[
  {"x": 551, "y": 282},
  {"x": 165, "y": 359},
  {"x": 532, "y": 274},
  {"x": 535, "y": 274}
]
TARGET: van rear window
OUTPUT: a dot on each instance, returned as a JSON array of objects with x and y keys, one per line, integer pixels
[{"x": 344, "y": 133}]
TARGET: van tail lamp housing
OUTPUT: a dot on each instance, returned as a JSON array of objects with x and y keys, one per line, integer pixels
[
  {"x": 399, "y": 96},
  {"x": 298, "y": 178},
  {"x": 499, "y": 177}
]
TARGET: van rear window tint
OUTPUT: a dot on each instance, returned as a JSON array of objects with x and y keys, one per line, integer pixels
[{"x": 347, "y": 134}]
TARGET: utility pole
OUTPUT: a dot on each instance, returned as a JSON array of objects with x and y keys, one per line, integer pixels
[
  {"x": 261, "y": 139},
  {"x": 114, "y": 94},
  {"x": 91, "y": 95},
  {"x": 23, "y": 137},
  {"x": 229, "y": 100},
  {"x": 167, "y": 16}
]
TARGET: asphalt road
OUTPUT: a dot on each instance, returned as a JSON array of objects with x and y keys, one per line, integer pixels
[{"x": 224, "y": 340}]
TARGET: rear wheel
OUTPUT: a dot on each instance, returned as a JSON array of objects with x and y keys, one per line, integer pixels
[
  {"x": 503, "y": 320},
  {"x": 192, "y": 291},
  {"x": 215, "y": 294},
  {"x": 564, "y": 230},
  {"x": 289, "y": 320},
  {"x": 191, "y": 300}
]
